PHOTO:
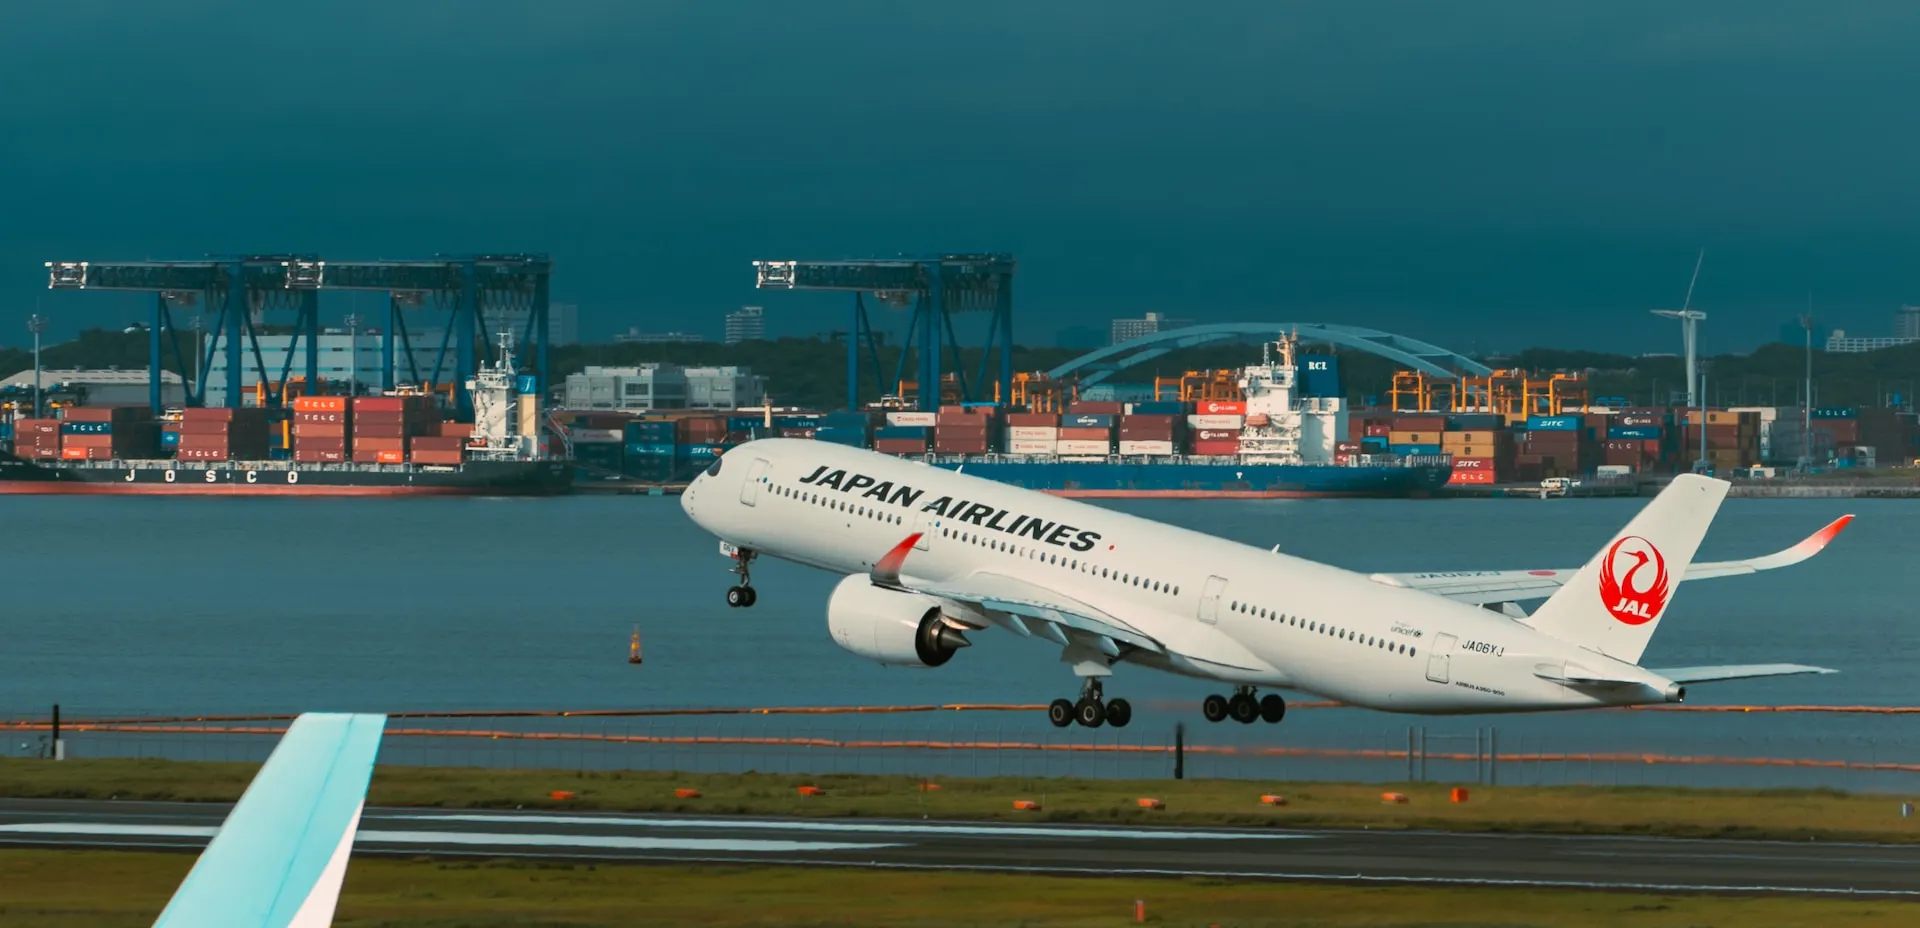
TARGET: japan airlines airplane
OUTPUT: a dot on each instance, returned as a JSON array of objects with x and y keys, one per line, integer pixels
[{"x": 932, "y": 556}]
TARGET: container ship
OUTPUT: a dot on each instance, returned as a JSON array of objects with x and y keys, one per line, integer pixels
[
  {"x": 397, "y": 445},
  {"x": 1273, "y": 440}
]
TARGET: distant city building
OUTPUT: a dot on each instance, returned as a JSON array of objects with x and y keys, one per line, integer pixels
[
  {"x": 563, "y": 323},
  {"x": 1906, "y": 331},
  {"x": 636, "y": 336},
  {"x": 746, "y": 324},
  {"x": 337, "y": 357},
  {"x": 1078, "y": 337},
  {"x": 664, "y": 386},
  {"x": 101, "y": 387},
  {"x": 1129, "y": 329}
]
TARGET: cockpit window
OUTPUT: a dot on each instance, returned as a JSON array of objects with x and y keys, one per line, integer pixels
[{"x": 713, "y": 470}]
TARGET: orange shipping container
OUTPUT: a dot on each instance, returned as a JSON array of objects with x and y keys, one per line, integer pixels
[
  {"x": 320, "y": 404},
  {"x": 1481, "y": 477},
  {"x": 1220, "y": 408},
  {"x": 1469, "y": 438},
  {"x": 1413, "y": 438},
  {"x": 392, "y": 457}
]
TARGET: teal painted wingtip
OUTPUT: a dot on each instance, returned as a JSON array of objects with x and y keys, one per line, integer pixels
[{"x": 279, "y": 859}]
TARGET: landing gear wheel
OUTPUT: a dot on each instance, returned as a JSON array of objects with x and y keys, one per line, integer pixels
[
  {"x": 738, "y": 596},
  {"x": 1214, "y": 707},
  {"x": 1243, "y": 708},
  {"x": 1090, "y": 713},
  {"x": 752, "y": 596},
  {"x": 1060, "y": 713},
  {"x": 1272, "y": 708},
  {"x": 1119, "y": 713}
]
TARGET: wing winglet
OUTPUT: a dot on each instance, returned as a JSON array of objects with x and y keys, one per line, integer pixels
[
  {"x": 886, "y": 570},
  {"x": 281, "y": 855}
]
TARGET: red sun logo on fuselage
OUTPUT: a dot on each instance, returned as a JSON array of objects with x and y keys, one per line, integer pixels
[{"x": 1633, "y": 581}]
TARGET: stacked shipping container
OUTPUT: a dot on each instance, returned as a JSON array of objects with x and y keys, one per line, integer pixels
[
  {"x": 320, "y": 429},
  {"x": 103, "y": 433},
  {"x": 220, "y": 434}
]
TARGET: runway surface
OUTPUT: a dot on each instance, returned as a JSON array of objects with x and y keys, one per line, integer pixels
[{"x": 1091, "y": 850}]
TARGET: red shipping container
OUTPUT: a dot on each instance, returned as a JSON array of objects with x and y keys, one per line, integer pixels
[
  {"x": 106, "y": 413},
  {"x": 1349, "y": 447},
  {"x": 334, "y": 404},
  {"x": 1033, "y": 419},
  {"x": 960, "y": 447},
  {"x": 319, "y": 430},
  {"x": 1220, "y": 408},
  {"x": 437, "y": 457},
  {"x": 185, "y": 453},
  {"x": 319, "y": 455},
  {"x": 320, "y": 418},
  {"x": 1421, "y": 423},
  {"x": 900, "y": 446},
  {"x": 86, "y": 441},
  {"x": 1217, "y": 447},
  {"x": 36, "y": 427},
  {"x": 1232, "y": 435},
  {"x": 381, "y": 404},
  {"x": 1472, "y": 477},
  {"x": 379, "y": 430},
  {"x": 1097, "y": 408},
  {"x": 456, "y": 429},
  {"x": 796, "y": 433},
  {"x": 1085, "y": 434},
  {"x": 1379, "y": 431},
  {"x": 379, "y": 444},
  {"x": 1486, "y": 464}
]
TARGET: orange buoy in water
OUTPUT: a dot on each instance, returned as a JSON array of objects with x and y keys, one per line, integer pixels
[{"x": 633, "y": 651}]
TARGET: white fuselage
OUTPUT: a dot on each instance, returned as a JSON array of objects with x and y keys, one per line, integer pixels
[{"x": 1222, "y": 610}]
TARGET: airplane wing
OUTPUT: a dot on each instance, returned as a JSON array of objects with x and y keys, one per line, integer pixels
[
  {"x": 1019, "y": 606},
  {"x": 1481, "y": 587},
  {"x": 279, "y": 859}
]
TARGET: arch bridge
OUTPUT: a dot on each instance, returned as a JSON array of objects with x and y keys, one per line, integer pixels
[{"x": 1096, "y": 366}]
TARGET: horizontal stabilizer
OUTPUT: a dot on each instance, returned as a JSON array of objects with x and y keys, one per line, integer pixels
[{"x": 1737, "y": 672}]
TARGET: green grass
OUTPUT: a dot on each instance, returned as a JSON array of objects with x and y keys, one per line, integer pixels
[
  {"x": 109, "y": 889},
  {"x": 1774, "y": 814}
]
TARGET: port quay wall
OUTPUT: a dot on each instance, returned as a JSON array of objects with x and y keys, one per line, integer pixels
[{"x": 1861, "y": 749}]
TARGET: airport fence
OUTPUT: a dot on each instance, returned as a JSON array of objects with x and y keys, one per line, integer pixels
[{"x": 1864, "y": 750}]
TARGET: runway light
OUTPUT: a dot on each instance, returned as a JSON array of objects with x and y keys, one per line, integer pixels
[
  {"x": 685, "y": 793},
  {"x": 1146, "y": 803},
  {"x": 562, "y": 794},
  {"x": 1458, "y": 794},
  {"x": 1273, "y": 800},
  {"x": 812, "y": 791},
  {"x": 1395, "y": 798},
  {"x": 1025, "y": 805}
]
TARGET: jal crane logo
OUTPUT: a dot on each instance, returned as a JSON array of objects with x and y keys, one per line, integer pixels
[{"x": 1633, "y": 581}]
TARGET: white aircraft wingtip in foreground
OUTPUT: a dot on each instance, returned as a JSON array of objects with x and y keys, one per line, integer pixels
[{"x": 931, "y": 556}]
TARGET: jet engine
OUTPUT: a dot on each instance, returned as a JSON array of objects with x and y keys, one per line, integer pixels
[{"x": 895, "y": 628}]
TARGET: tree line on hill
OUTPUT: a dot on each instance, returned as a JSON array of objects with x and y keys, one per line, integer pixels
[{"x": 811, "y": 372}]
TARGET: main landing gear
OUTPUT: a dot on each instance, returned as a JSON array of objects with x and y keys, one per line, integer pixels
[
  {"x": 1243, "y": 707},
  {"x": 741, "y": 596},
  {"x": 1091, "y": 711}
]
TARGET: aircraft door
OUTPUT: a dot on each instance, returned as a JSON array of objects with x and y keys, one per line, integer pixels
[
  {"x": 1210, "y": 599},
  {"x": 1440, "y": 658},
  {"x": 756, "y": 475},
  {"x": 922, "y": 526}
]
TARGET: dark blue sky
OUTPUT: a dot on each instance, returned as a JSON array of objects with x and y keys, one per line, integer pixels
[{"x": 1478, "y": 174}]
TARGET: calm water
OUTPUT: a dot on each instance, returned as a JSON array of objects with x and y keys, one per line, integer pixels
[{"x": 217, "y": 606}]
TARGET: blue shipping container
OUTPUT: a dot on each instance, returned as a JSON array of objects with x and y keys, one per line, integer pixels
[
  {"x": 1085, "y": 421},
  {"x": 169, "y": 439},
  {"x": 1554, "y": 423},
  {"x": 1173, "y": 408},
  {"x": 649, "y": 431},
  {"x": 899, "y": 431},
  {"x": 650, "y": 449},
  {"x": 1474, "y": 422},
  {"x": 1320, "y": 376},
  {"x": 1414, "y": 449},
  {"x": 1835, "y": 412},
  {"x": 796, "y": 422},
  {"x": 86, "y": 428},
  {"x": 1373, "y": 444},
  {"x": 700, "y": 452},
  {"x": 744, "y": 423},
  {"x": 1631, "y": 433}
]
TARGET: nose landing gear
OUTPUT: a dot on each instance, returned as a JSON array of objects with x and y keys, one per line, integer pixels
[
  {"x": 1243, "y": 707},
  {"x": 741, "y": 595}
]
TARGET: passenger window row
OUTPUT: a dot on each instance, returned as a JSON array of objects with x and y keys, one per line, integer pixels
[
  {"x": 851, "y": 508},
  {"x": 1294, "y": 621},
  {"x": 1061, "y": 560}
]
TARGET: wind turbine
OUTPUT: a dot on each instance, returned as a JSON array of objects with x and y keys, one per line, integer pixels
[{"x": 1689, "y": 332}]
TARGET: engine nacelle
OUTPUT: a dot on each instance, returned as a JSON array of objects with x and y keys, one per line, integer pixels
[{"x": 895, "y": 628}]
